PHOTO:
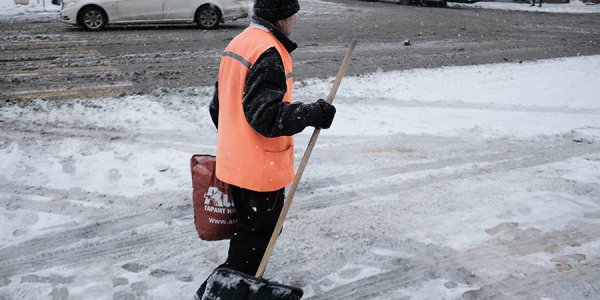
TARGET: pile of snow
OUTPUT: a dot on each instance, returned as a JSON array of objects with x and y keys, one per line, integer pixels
[
  {"x": 522, "y": 100},
  {"x": 574, "y": 6},
  {"x": 10, "y": 8}
]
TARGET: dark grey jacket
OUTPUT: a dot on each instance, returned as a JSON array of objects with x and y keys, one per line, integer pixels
[{"x": 264, "y": 91}]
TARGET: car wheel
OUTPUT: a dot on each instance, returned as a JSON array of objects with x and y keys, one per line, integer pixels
[
  {"x": 443, "y": 4},
  {"x": 93, "y": 18},
  {"x": 208, "y": 17}
]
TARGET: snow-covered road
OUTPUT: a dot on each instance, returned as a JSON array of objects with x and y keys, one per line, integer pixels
[{"x": 460, "y": 182}]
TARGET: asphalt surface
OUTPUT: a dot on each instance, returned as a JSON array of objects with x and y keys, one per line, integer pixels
[{"x": 51, "y": 60}]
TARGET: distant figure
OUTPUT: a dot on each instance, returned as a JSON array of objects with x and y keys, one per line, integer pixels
[{"x": 533, "y": 3}]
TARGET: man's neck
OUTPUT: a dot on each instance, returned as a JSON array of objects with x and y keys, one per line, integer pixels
[{"x": 273, "y": 29}]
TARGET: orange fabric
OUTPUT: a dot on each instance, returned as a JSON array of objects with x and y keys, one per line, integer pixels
[{"x": 246, "y": 158}]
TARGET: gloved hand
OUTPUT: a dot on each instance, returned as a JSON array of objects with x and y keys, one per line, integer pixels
[{"x": 327, "y": 114}]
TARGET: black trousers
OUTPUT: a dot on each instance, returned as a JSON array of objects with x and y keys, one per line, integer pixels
[{"x": 257, "y": 214}]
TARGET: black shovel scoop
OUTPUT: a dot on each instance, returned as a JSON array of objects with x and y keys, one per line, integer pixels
[{"x": 227, "y": 284}]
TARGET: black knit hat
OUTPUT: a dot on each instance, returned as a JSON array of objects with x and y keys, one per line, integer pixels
[{"x": 273, "y": 10}]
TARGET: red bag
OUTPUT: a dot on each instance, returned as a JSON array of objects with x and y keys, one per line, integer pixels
[{"x": 214, "y": 212}]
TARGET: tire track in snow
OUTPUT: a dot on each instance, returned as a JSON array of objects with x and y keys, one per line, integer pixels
[
  {"x": 495, "y": 107},
  {"x": 73, "y": 195},
  {"x": 69, "y": 207},
  {"x": 80, "y": 244},
  {"x": 465, "y": 167},
  {"x": 180, "y": 141},
  {"x": 513, "y": 286},
  {"x": 579, "y": 282}
]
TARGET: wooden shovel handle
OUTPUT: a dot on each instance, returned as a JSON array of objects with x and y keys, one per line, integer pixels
[{"x": 300, "y": 171}]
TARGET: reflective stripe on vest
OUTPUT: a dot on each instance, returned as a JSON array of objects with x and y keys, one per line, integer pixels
[
  {"x": 247, "y": 64},
  {"x": 239, "y": 58},
  {"x": 246, "y": 158}
]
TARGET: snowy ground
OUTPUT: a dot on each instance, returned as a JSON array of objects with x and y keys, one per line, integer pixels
[{"x": 452, "y": 183}]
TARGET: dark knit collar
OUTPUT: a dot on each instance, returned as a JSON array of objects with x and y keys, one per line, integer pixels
[{"x": 287, "y": 43}]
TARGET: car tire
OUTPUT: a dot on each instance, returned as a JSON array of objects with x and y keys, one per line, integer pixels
[
  {"x": 443, "y": 4},
  {"x": 93, "y": 18},
  {"x": 208, "y": 17}
]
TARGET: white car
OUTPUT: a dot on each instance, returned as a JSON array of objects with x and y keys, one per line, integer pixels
[{"x": 208, "y": 14}]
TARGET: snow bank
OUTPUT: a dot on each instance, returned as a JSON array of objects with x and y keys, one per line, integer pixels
[
  {"x": 563, "y": 82},
  {"x": 516, "y": 99},
  {"x": 9, "y": 7},
  {"x": 576, "y": 7}
]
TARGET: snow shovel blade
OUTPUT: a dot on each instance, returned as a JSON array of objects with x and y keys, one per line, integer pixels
[{"x": 229, "y": 284}]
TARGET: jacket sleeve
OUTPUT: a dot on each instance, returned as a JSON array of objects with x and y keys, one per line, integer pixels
[
  {"x": 213, "y": 107},
  {"x": 263, "y": 105}
]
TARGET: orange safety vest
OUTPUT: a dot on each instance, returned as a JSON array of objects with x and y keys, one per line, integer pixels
[{"x": 246, "y": 158}]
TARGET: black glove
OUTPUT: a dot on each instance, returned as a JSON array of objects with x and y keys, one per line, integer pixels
[{"x": 327, "y": 114}]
